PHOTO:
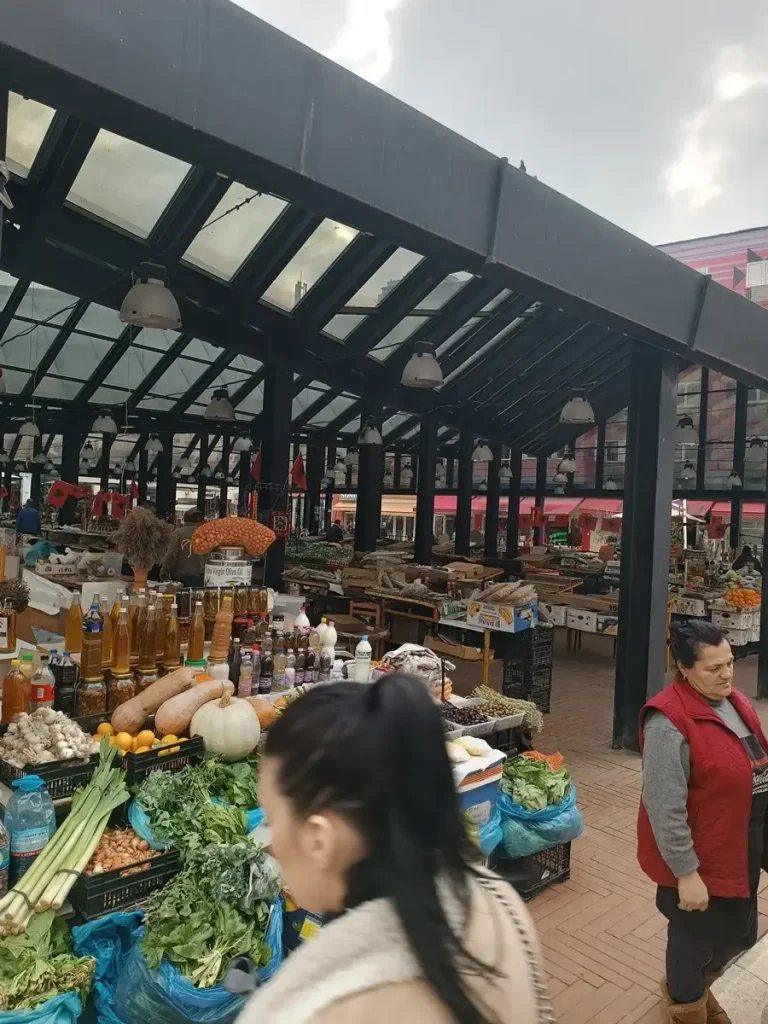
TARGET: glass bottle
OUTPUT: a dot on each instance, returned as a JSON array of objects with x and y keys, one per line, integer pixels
[
  {"x": 73, "y": 632},
  {"x": 93, "y": 635},
  {"x": 172, "y": 650},
  {"x": 119, "y": 603},
  {"x": 196, "y": 645},
  {"x": 245, "y": 674},
  {"x": 137, "y": 628},
  {"x": 265, "y": 669},
  {"x": 7, "y": 629},
  {"x": 241, "y": 601},
  {"x": 222, "y": 629},
  {"x": 133, "y": 611},
  {"x": 66, "y": 684},
  {"x": 106, "y": 640},
  {"x": 148, "y": 643},
  {"x": 256, "y": 671},
  {"x": 161, "y": 618},
  {"x": 121, "y": 645},
  {"x": 278, "y": 671},
  {"x": 301, "y": 661},
  {"x": 311, "y": 666},
  {"x": 16, "y": 691},
  {"x": 28, "y": 664}
]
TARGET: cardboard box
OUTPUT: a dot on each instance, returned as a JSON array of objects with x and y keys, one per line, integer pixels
[
  {"x": 556, "y": 612},
  {"x": 473, "y": 571},
  {"x": 608, "y": 624},
  {"x": 55, "y": 570},
  {"x": 461, "y": 651},
  {"x": 581, "y": 618},
  {"x": 358, "y": 579},
  {"x": 502, "y": 617}
]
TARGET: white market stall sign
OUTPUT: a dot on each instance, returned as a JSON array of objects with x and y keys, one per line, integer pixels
[{"x": 220, "y": 574}]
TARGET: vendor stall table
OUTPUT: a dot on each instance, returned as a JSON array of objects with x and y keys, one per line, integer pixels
[{"x": 462, "y": 625}]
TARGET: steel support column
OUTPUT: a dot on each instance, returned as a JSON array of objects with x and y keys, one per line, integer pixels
[
  {"x": 464, "y": 492},
  {"x": 396, "y": 470},
  {"x": 315, "y": 473},
  {"x": 644, "y": 581},
  {"x": 370, "y": 472},
  {"x": 425, "y": 491},
  {"x": 36, "y": 483},
  {"x": 739, "y": 446},
  {"x": 513, "y": 511},
  {"x": 491, "y": 544},
  {"x": 143, "y": 466},
  {"x": 71, "y": 442},
  {"x": 330, "y": 456},
  {"x": 106, "y": 451},
  {"x": 600, "y": 457},
  {"x": 165, "y": 492},
  {"x": 701, "y": 453},
  {"x": 202, "y": 481},
  {"x": 226, "y": 443},
  {"x": 243, "y": 483},
  {"x": 275, "y": 456},
  {"x": 541, "y": 488},
  {"x": 762, "y": 653}
]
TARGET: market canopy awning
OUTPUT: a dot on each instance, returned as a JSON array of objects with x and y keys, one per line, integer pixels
[{"x": 302, "y": 214}]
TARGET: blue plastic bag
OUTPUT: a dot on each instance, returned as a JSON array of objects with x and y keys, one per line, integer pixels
[
  {"x": 490, "y": 834},
  {"x": 139, "y": 821},
  {"x": 527, "y": 832},
  {"x": 109, "y": 940},
  {"x": 62, "y": 1009}
]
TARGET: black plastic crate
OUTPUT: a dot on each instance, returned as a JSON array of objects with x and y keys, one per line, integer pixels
[
  {"x": 533, "y": 648},
  {"x": 505, "y": 741},
  {"x": 529, "y": 875},
  {"x": 528, "y": 684},
  {"x": 61, "y": 778},
  {"x": 139, "y": 766},
  {"x": 93, "y": 895}
]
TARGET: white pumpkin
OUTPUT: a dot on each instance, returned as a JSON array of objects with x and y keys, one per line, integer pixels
[{"x": 229, "y": 727}]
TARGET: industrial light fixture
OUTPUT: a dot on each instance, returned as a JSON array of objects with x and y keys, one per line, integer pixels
[
  {"x": 610, "y": 485},
  {"x": 53, "y": 472},
  {"x": 218, "y": 476},
  {"x": 389, "y": 479},
  {"x": 231, "y": 480},
  {"x": 734, "y": 480},
  {"x": 688, "y": 472},
  {"x": 482, "y": 453},
  {"x": 340, "y": 473},
  {"x": 85, "y": 467},
  {"x": 87, "y": 451},
  {"x": 242, "y": 444},
  {"x": 104, "y": 423},
  {"x": 483, "y": 485},
  {"x": 559, "y": 478},
  {"x": 686, "y": 431},
  {"x": 4, "y": 457},
  {"x": 577, "y": 410},
  {"x": 505, "y": 474},
  {"x": 40, "y": 459},
  {"x": 369, "y": 435},
  {"x": 559, "y": 489},
  {"x": 130, "y": 466},
  {"x": 29, "y": 429},
  {"x": 154, "y": 444},
  {"x": 220, "y": 406},
  {"x": 422, "y": 370},
  {"x": 406, "y": 475},
  {"x": 206, "y": 471},
  {"x": 351, "y": 459},
  {"x": 567, "y": 464},
  {"x": 20, "y": 467},
  {"x": 149, "y": 303}
]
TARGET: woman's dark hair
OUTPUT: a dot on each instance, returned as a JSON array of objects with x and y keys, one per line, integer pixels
[
  {"x": 687, "y": 639},
  {"x": 376, "y": 754}
]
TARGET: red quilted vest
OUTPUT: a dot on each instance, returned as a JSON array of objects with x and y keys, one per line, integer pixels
[{"x": 719, "y": 791}]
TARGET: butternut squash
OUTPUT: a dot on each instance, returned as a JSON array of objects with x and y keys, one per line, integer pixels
[
  {"x": 132, "y": 715},
  {"x": 265, "y": 710},
  {"x": 176, "y": 713}
]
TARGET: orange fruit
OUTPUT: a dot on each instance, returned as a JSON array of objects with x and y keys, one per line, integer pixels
[
  {"x": 124, "y": 740},
  {"x": 145, "y": 738},
  {"x": 169, "y": 738},
  {"x": 105, "y": 729},
  {"x": 142, "y": 750}
]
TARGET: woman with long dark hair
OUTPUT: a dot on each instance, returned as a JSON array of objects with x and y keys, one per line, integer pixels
[{"x": 359, "y": 794}]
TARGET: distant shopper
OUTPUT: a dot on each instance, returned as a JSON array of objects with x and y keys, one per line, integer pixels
[
  {"x": 702, "y": 817},
  {"x": 181, "y": 563},
  {"x": 334, "y": 534},
  {"x": 747, "y": 559},
  {"x": 28, "y": 519}
]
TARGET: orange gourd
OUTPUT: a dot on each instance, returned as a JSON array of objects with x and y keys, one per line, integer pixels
[{"x": 235, "y": 531}]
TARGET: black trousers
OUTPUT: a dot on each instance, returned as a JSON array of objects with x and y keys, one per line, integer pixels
[{"x": 704, "y": 942}]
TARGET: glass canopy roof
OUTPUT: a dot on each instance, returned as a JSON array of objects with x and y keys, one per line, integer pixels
[
  {"x": 325, "y": 245},
  {"x": 28, "y": 122}
]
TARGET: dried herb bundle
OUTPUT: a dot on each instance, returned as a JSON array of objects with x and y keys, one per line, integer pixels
[
  {"x": 14, "y": 593},
  {"x": 142, "y": 538}
]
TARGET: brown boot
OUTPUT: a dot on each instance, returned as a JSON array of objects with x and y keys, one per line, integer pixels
[
  {"x": 687, "y": 1013},
  {"x": 715, "y": 1013}
]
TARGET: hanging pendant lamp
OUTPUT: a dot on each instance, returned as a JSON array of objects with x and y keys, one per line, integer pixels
[{"x": 149, "y": 303}]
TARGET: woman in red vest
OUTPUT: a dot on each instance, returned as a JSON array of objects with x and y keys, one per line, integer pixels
[{"x": 702, "y": 817}]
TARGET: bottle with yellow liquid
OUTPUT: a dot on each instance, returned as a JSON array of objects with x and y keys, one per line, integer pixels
[
  {"x": 172, "y": 650},
  {"x": 117, "y": 607},
  {"x": 139, "y": 621},
  {"x": 133, "y": 608},
  {"x": 121, "y": 645},
  {"x": 161, "y": 619},
  {"x": 148, "y": 642},
  {"x": 92, "y": 637},
  {"x": 7, "y": 629},
  {"x": 106, "y": 638},
  {"x": 73, "y": 633},
  {"x": 196, "y": 644},
  {"x": 222, "y": 628}
]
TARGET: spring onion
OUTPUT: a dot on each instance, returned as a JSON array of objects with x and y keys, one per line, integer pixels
[{"x": 47, "y": 882}]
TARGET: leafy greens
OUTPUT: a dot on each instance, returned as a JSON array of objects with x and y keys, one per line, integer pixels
[
  {"x": 534, "y": 784},
  {"x": 39, "y": 964}
]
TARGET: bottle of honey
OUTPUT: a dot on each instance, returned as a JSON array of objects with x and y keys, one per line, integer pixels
[
  {"x": 196, "y": 645},
  {"x": 121, "y": 645},
  {"x": 172, "y": 650},
  {"x": 139, "y": 622},
  {"x": 148, "y": 643},
  {"x": 7, "y": 629},
  {"x": 117, "y": 607},
  {"x": 222, "y": 629},
  {"x": 73, "y": 633},
  {"x": 161, "y": 620},
  {"x": 93, "y": 635},
  {"x": 133, "y": 608},
  {"x": 16, "y": 693},
  {"x": 106, "y": 640}
]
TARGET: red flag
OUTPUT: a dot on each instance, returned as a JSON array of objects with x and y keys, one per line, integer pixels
[
  {"x": 298, "y": 476},
  {"x": 59, "y": 491},
  {"x": 256, "y": 466},
  {"x": 119, "y": 504},
  {"x": 134, "y": 490}
]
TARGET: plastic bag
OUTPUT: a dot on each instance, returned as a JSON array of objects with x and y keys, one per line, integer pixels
[
  {"x": 490, "y": 834},
  {"x": 62, "y": 1009},
  {"x": 527, "y": 832},
  {"x": 139, "y": 821},
  {"x": 109, "y": 940}
]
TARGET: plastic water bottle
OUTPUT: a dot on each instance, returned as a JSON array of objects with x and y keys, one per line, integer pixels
[
  {"x": 66, "y": 675},
  {"x": 30, "y": 820},
  {"x": 363, "y": 654},
  {"x": 5, "y": 858},
  {"x": 43, "y": 687},
  {"x": 245, "y": 679}
]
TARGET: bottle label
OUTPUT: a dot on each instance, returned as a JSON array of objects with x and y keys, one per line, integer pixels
[
  {"x": 42, "y": 693},
  {"x": 3, "y": 630},
  {"x": 5, "y": 857},
  {"x": 26, "y": 843}
]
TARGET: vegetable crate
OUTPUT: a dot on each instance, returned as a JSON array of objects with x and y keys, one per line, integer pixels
[
  {"x": 532, "y": 648},
  {"x": 528, "y": 684},
  {"x": 61, "y": 778},
  {"x": 529, "y": 875},
  {"x": 139, "y": 766},
  {"x": 93, "y": 895}
]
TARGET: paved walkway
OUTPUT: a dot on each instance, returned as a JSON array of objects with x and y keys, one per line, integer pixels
[{"x": 603, "y": 939}]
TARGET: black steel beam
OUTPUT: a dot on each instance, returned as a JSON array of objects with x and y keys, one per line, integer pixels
[
  {"x": 370, "y": 472},
  {"x": 343, "y": 279},
  {"x": 275, "y": 454},
  {"x": 644, "y": 580},
  {"x": 701, "y": 454},
  {"x": 464, "y": 492},
  {"x": 204, "y": 381},
  {"x": 491, "y": 542},
  {"x": 274, "y": 251},
  {"x": 513, "y": 507},
  {"x": 762, "y": 653},
  {"x": 224, "y": 465},
  {"x": 541, "y": 490},
  {"x": 164, "y": 363},
  {"x": 186, "y": 215},
  {"x": 425, "y": 493},
  {"x": 53, "y": 350},
  {"x": 202, "y": 481},
  {"x": 13, "y": 301},
  {"x": 739, "y": 449},
  {"x": 315, "y": 407},
  {"x": 166, "y": 486}
]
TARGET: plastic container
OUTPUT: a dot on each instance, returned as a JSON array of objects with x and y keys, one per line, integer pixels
[
  {"x": 363, "y": 653},
  {"x": 43, "y": 688},
  {"x": 5, "y": 858},
  {"x": 31, "y": 821},
  {"x": 331, "y": 636},
  {"x": 301, "y": 622},
  {"x": 16, "y": 689},
  {"x": 67, "y": 674}
]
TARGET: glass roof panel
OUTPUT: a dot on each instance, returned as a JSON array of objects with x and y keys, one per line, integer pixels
[
  {"x": 7, "y": 284},
  {"x": 451, "y": 341},
  {"x": 132, "y": 368},
  {"x": 109, "y": 396},
  {"x": 58, "y": 388},
  {"x": 253, "y": 403},
  {"x": 153, "y": 402},
  {"x": 386, "y": 278},
  {"x": 25, "y": 344},
  {"x": 496, "y": 300},
  {"x": 246, "y": 363},
  {"x": 447, "y": 288},
  {"x": 178, "y": 378},
  {"x": 14, "y": 380},
  {"x": 399, "y": 333},
  {"x": 41, "y": 303},
  {"x": 197, "y": 349},
  {"x": 332, "y": 410},
  {"x": 100, "y": 320},
  {"x": 80, "y": 356},
  {"x": 126, "y": 183},
  {"x": 410, "y": 433},
  {"x": 224, "y": 246},
  {"x": 341, "y": 325},
  {"x": 150, "y": 338},
  {"x": 305, "y": 398},
  {"x": 393, "y": 423},
  {"x": 28, "y": 121},
  {"x": 323, "y": 247}
]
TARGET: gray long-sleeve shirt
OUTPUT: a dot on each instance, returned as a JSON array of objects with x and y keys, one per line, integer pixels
[{"x": 666, "y": 774}]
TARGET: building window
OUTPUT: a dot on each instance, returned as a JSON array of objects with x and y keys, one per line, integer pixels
[
  {"x": 613, "y": 451},
  {"x": 688, "y": 394},
  {"x": 756, "y": 396}
]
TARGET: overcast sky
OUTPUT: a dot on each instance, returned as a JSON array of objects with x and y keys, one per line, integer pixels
[{"x": 651, "y": 113}]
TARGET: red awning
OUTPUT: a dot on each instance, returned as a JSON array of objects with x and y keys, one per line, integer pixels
[
  {"x": 694, "y": 508},
  {"x": 749, "y": 509},
  {"x": 601, "y": 506}
]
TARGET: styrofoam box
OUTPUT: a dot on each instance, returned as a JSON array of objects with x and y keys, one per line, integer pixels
[
  {"x": 690, "y": 606},
  {"x": 737, "y": 637},
  {"x": 754, "y": 633},
  {"x": 556, "y": 612},
  {"x": 577, "y": 618},
  {"x": 732, "y": 619},
  {"x": 608, "y": 623}
]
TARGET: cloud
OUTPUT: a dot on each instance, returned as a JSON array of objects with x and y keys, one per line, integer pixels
[{"x": 363, "y": 45}]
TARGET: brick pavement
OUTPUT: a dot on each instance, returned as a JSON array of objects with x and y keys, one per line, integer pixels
[{"x": 602, "y": 937}]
